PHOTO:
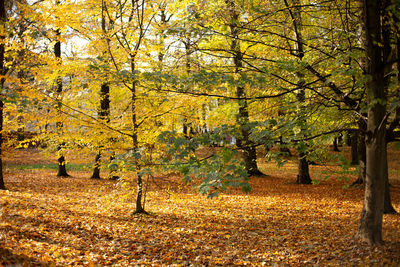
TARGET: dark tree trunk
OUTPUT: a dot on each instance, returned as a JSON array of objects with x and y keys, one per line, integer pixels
[
  {"x": 2, "y": 72},
  {"x": 370, "y": 228},
  {"x": 387, "y": 207},
  {"x": 104, "y": 110},
  {"x": 354, "y": 147},
  {"x": 62, "y": 170},
  {"x": 104, "y": 116},
  {"x": 361, "y": 151},
  {"x": 96, "y": 168},
  {"x": 2, "y": 186},
  {"x": 387, "y": 51},
  {"x": 335, "y": 144},
  {"x": 242, "y": 117},
  {"x": 303, "y": 176}
]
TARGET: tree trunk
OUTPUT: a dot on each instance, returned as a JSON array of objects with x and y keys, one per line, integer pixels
[
  {"x": 303, "y": 174},
  {"x": 2, "y": 80},
  {"x": 242, "y": 117},
  {"x": 2, "y": 186},
  {"x": 370, "y": 228},
  {"x": 104, "y": 116},
  {"x": 62, "y": 171},
  {"x": 104, "y": 110},
  {"x": 387, "y": 207},
  {"x": 388, "y": 69},
  {"x": 361, "y": 151},
  {"x": 135, "y": 146},
  {"x": 335, "y": 144},
  {"x": 96, "y": 168},
  {"x": 354, "y": 147}
]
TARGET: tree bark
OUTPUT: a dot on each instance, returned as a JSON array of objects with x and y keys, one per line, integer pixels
[
  {"x": 96, "y": 168},
  {"x": 303, "y": 174},
  {"x": 135, "y": 146},
  {"x": 242, "y": 117},
  {"x": 104, "y": 110},
  {"x": 387, "y": 206},
  {"x": 354, "y": 147},
  {"x": 370, "y": 228},
  {"x": 2, "y": 80},
  {"x": 62, "y": 170},
  {"x": 335, "y": 144},
  {"x": 362, "y": 153}
]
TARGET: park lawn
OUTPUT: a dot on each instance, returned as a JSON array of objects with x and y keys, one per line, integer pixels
[{"x": 46, "y": 220}]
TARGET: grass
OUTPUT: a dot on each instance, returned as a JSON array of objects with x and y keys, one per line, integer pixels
[{"x": 47, "y": 166}]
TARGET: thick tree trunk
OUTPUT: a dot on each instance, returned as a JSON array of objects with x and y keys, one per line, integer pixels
[
  {"x": 62, "y": 171},
  {"x": 303, "y": 176},
  {"x": 2, "y": 72},
  {"x": 242, "y": 118},
  {"x": 370, "y": 228}
]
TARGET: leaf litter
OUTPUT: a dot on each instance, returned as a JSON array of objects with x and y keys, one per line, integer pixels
[{"x": 47, "y": 220}]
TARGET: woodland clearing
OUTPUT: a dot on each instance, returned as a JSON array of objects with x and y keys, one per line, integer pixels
[{"x": 48, "y": 220}]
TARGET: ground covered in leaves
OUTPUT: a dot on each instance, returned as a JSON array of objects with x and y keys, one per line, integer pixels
[{"x": 47, "y": 220}]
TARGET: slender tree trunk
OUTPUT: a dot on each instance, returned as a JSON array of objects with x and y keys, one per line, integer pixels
[
  {"x": 104, "y": 115},
  {"x": 104, "y": 110},
  {"x": 335, "y": 144},
  {"x": 2, "y": 80},
  {"x": 387, "y": 207},
  {"x": 135, "y": 146},
  {"x": 361, "y": 152},
  {"x": 354, "y": 147},
  {"x": 242, "y": 117},
  {"x": 303, "y": 174},
  {"x": 370, "y": 228},
  {"x": 62, "y": 171},
  {"x": 2, "y": 186}
]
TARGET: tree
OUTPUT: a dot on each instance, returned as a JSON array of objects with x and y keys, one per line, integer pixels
[
  {"x": 104, "y": 107},
  {"x": 303, "y": 176},
  {"x": 370, "y": 228},
  {"x": 242, "y": 117}
]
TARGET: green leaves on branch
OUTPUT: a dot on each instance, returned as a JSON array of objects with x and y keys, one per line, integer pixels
[{"x": 211, "y": 173}]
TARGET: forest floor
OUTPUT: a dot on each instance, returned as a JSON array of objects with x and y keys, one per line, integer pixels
[{"x": 51, "y": 221}]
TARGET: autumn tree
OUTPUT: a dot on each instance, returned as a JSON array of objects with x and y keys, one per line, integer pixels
[
  {"x": 104, "y": 107},
  {"x": 242, "y": 117},
  {"x": 370, "y": 228}
]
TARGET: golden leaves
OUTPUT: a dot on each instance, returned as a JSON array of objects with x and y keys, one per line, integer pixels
[{"x": 78, "y": 221}]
